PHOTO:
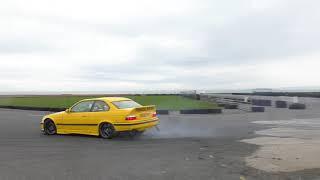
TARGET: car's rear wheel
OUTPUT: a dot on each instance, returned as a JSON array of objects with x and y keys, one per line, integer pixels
[
  {"x": 49, "y": 127},
  {"x": 107, "y": 131}
]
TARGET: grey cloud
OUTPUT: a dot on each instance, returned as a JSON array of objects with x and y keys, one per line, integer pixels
[
  {"x": 259, "y": 36},
  {"x": 260, "y": 40},
  {"x": 255, "y": 36},
  {"x": 14, "y": 46},
  {"x": 118, "y": 72},
  {"x": 243, "y": 35}
]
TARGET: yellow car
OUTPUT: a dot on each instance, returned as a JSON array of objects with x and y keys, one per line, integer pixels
[{"x": 103, "y": 117}]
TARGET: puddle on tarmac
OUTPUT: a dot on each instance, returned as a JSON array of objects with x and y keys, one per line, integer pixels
[{"x": 291, "y": 145}]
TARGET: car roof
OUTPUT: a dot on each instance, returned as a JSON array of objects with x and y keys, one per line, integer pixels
[{"x": 109, "y": 99}]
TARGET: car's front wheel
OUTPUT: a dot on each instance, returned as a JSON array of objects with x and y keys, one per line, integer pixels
[
  {"x": 107, "y": 131},
  {"x": 49, "y": 127}
]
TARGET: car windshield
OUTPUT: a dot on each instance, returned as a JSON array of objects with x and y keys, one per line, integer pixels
[{"x": 126, "y": 104}]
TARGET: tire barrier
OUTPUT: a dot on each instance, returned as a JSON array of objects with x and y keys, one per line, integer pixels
[
  {"x": 214, "y": 111},
  {"x": 231, "y": 106},
  {"x": 201, "y": 111},
  {"x": 261, "y": 102},
  {"x": 34, "y": 108},
  {"x": 297, "y": 106},
  {"x": 291, "y": 94},
  {"x": 58, "y": 109},
  {"x": 257, "y": 109},
  {"x": 281, "y": 104},
  {"x": 163, "y": 112}
]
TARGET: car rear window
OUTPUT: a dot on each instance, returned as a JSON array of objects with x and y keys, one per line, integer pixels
[{"x": 126, "y": 104}]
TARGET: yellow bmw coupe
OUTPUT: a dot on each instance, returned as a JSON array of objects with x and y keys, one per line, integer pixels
[{"x": 103, "y": 117}]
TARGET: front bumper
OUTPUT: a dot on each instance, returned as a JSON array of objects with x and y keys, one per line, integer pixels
[{"x": 41, "y": 126}]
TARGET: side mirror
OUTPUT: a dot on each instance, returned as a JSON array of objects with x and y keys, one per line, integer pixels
[{"x": 67, "y": 110}]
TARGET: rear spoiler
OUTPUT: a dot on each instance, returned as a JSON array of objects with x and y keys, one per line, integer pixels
[{"x": 145, "y": 108}]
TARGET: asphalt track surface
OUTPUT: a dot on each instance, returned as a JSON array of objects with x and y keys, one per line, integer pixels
[{"x": 187, "y": 147}]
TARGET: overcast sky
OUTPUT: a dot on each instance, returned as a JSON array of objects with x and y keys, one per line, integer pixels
[{"x": 100, "y": 45}]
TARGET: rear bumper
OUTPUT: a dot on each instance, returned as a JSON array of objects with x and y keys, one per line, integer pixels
[{"x": 140, "y": 126}]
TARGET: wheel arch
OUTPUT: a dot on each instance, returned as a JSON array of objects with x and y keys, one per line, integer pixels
[
  {"x": 104, "y": 121},
  {"x": 49, "y": 119}
]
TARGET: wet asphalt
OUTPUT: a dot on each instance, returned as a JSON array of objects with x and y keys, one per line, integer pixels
[{"x": 186, "y": 147}]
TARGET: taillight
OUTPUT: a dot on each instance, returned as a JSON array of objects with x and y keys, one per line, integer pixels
[
  {"x": 154, "y": 114},
  {"x": 130, "y": 118}
]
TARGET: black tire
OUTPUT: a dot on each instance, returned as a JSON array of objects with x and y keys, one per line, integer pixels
[
  {"x": 107, "y": 131},
  {"x": 49, "y": 127}
]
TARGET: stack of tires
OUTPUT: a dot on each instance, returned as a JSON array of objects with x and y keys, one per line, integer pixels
[
  {"x": 281, "y": 104},
  {"x": 297, "y": 106},
  {"x": 257, "y": 109},
  {"x": 261, "y": 102},
  {"x": 231, "y": 106}
]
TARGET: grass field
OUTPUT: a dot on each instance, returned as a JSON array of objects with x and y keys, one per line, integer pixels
[{"x": 169, "y": 102}]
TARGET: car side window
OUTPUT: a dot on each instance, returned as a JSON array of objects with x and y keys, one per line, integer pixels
[
  {"x": 82, "y": 107},
  {"x": 100, "y": 106}
]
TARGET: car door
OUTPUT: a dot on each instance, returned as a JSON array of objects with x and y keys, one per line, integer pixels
[
  {"x": 99, "y": 112},
  {"x": 78, "y": 118}
]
